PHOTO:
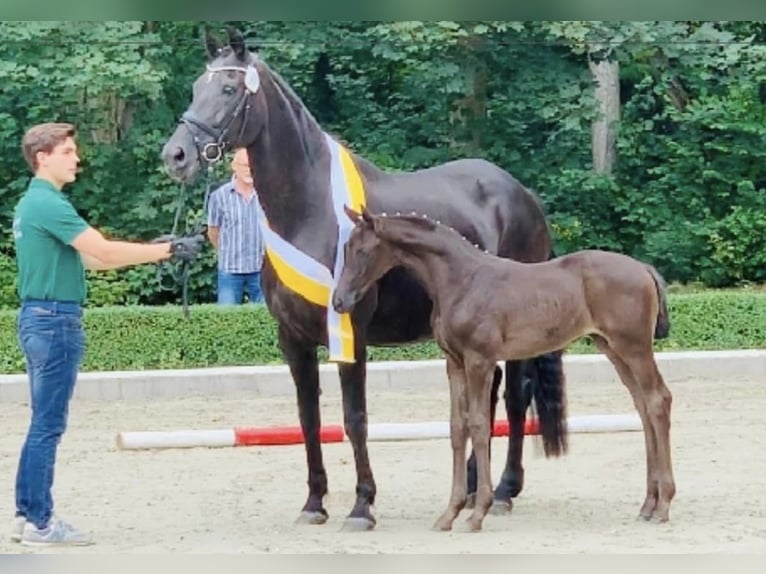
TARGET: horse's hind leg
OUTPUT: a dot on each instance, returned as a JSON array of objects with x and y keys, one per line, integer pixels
[
  {"x": 516, "y": 402},
  {"x": 658, "y": 400},
  {"x": 639, "y": 395},
  {"x": 353, "y": 386},
  {"x": 497, "y": 379},
  {"x": 458, "y": 438},
  {"x": 304, "y": 368}
]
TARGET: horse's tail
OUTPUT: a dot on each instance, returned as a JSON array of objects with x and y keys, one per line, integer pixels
[
  {"x": 662, "y": 327},
  {"x": 549, "y": 392}
]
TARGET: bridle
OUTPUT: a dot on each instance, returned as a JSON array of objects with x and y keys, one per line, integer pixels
[{"x": 212, "y": 152}]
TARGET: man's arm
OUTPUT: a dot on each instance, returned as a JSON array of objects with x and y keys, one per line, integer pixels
[
  {"x": 93, "y": 264},
  {"x": 213, "y": 234},
  {"x": 97, "y": 252}
]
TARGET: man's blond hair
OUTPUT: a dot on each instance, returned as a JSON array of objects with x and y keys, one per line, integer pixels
[{"x": 43, "y": 138}]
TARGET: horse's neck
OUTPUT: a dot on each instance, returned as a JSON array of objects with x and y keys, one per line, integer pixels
[{"x": 291, "y": 165}]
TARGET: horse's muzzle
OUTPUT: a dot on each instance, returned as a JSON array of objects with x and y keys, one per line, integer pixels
[{"x": 343, "y": 304}]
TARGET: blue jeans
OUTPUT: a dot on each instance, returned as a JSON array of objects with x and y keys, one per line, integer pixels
[
  {"x": 232, "y": 286},
  {"x": 53, "y": 340}
]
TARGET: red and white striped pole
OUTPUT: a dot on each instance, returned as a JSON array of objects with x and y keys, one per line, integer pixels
[{"x": 287, "y": 435}]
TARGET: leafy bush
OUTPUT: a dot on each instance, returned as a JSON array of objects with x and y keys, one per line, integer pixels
[{"x": 133, "y": 338}]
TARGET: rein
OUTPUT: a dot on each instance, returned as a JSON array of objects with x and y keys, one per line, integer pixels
[{"x": 198, "y": 227}]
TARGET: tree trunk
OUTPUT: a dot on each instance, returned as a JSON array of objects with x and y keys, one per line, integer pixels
[{"x": 606, "y": 74}]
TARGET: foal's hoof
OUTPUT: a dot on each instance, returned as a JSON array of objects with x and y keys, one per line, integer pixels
[
  {"x": 470, "y": 501},
  {"x": 358, "y": 524},
  {"x": 501, "y": 507},
  {"x": 471, "y": 524},
  {"x": 443, "y": 524},
  {"x": 311, "y": 517}
]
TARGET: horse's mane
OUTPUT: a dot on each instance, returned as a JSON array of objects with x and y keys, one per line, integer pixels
[
  {"x": 303, "y": 112},
  {"x": 425, "y": 223},
  {"x": 288, "y": 93}
]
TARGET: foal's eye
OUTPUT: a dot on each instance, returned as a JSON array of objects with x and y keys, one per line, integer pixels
[{"x": 228, "y": 90}]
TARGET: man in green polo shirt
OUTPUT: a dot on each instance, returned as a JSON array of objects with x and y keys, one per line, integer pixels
[{"x": 54, "y": 245}]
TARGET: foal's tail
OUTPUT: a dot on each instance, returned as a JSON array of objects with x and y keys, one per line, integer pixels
[
  {"x": 662, "y": 327},
  {"x": 550, "y": 402}
]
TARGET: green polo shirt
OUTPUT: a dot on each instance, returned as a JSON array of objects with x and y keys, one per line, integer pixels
[{"x": 44, "y": 225}]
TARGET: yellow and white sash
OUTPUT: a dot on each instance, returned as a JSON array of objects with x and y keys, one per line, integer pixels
[{"x": 305, "y": 275}]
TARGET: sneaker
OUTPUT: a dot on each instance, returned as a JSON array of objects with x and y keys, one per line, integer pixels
[
  {"x": 17, "y": 528},
  {"x": 57, "y": 533}
]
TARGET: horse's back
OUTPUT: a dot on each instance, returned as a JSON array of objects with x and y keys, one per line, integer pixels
[
  {"x": 477, "y": 198},
  {"x": 607, "y": 274}
]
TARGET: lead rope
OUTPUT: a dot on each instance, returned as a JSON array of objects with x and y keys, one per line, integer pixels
[{"x": 199, "y": 227}]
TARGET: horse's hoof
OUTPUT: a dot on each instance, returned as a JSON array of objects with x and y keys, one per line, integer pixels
[
  {"x": 358, "y": 524},
  {"x": 470, "y": 525},
  {"x": 501, "y": 507},
  {"x": 311, "y": 517},
  {"x": 470, "y": 501}
]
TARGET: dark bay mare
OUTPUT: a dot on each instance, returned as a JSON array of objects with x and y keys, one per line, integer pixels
[
  {"x": 240, "y": 102},
  {"x": 487, "y": 309}
]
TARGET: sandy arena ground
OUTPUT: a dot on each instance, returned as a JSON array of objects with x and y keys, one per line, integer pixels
[{"x": 245, "y": 500}]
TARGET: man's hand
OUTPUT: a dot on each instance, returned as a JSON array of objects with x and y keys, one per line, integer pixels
[{"x": 187, "y": 248}]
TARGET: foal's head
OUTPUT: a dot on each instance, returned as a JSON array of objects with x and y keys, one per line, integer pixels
[
  {"x": 371, "y": 251},
  {"x": 367, "y": 258}
]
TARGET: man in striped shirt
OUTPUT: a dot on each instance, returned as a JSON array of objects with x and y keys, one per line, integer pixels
[{"x": 233, "y": 230}]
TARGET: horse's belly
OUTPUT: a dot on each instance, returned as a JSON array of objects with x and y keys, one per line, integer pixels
[
  {"x": 532, "y": 339},
  {"x": 403, "y": 312}
]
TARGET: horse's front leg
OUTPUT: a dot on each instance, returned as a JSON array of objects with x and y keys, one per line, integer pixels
[
  {"x": 353, "y": 386},
  {"x": 302, "y": 359}
]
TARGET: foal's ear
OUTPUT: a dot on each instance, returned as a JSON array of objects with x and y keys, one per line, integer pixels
[
  {"x": 237, "y": 43},
  {"x": 368, "y": 217},
  {"x": 352, "y": 215},
  {"x": 212, "y": 44},
  {"x": 373, "y": 221}
]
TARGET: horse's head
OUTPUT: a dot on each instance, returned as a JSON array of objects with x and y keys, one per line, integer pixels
[
  {"x": 366, "y": 260},
  {"x": 227, "y": 109}
]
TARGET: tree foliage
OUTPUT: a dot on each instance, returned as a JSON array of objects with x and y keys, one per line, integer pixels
[{"x": 686, "y": 193}]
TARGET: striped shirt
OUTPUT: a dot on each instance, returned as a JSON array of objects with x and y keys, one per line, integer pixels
[{"x": 240, "y": 243}]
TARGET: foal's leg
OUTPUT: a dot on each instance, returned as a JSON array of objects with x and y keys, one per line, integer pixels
[
  {"x": 497, "y": 378},
  {"x": 650, "y": 436},
  {"x": 353, "y": 386},
  {"x": 478, "y": 372},
  {"x": 658, "y": 400},
  {"x": 459, "y": 437}
]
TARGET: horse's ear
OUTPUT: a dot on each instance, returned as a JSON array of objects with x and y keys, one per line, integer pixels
[
  {"x": 212, "y": 44},
  {"x": 237, "y": 43},
  {"x": 367, "y": 216},
  {"x": 352, "y": 215},
  {"x": 371, "y": 220}
]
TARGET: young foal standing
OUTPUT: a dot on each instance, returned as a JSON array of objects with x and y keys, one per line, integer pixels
[{"x": 487, "y": 309}]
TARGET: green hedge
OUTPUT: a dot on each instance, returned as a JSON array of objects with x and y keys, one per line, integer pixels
[{"x": 130, "y": 338}]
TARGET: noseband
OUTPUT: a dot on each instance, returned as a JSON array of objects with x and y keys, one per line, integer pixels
[{"x": 212, "y": 152}]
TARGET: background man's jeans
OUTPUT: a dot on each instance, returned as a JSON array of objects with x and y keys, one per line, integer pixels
[
  {"x": 232, "y": 286},
  {"x": 52, "y": 338}
]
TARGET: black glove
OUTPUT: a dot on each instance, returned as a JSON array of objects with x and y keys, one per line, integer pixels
[{"x": 187, "y": 248}]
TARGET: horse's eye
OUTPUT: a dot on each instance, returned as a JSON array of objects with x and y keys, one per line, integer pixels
[{"x": 228, "y": 90}]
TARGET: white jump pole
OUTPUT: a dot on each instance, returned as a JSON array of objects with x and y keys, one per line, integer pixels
[{"x": 381, "y": 432}]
